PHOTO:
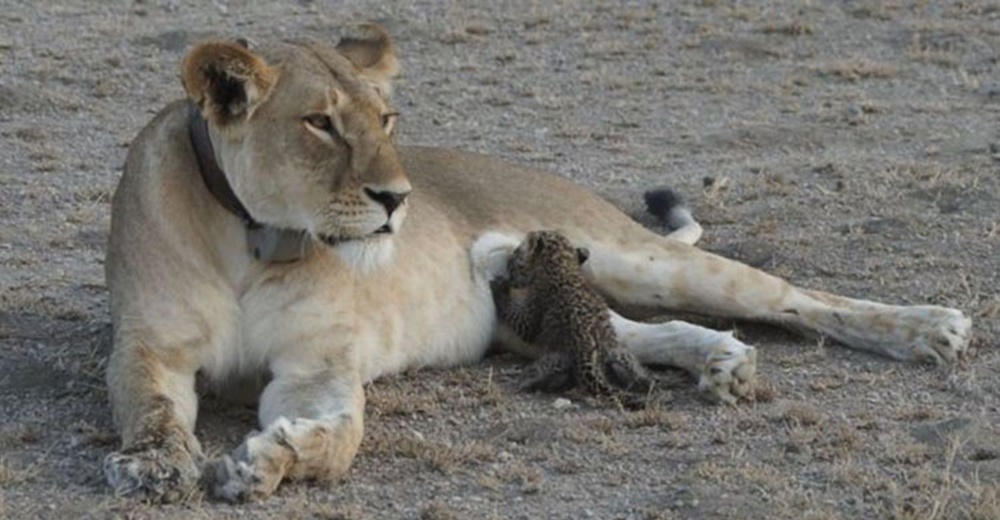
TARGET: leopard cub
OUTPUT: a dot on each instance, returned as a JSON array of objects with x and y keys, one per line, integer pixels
[{"x": 545, "y": 300}]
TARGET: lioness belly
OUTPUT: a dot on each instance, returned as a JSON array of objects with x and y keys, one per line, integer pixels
[
  {"x": 422, "y": 308},
  {"x": 426, "y": 308},
  {"x": 429, "y": 331}
]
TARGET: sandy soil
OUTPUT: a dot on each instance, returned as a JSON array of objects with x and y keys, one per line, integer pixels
[{"x": 850, "y": 146}]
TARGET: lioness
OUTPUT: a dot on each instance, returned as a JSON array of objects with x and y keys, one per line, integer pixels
[{"x": 270, "y": 224}]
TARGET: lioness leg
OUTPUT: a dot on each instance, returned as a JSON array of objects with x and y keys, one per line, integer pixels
[
  {"x": 725, "y": 367},
  {"x": 657, "y": 272},
  {"x": 155, "y": 407},
  {"x": 313, "y": 424}
]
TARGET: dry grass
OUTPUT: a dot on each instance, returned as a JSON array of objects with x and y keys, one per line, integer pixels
[
  {"x": 922, "y": 53},
  {"x": 764, "y": 391},
  {"x": 528, "y": 479},
  {"x": 387, "y": 402},
  {"x": 441, "y": 456},
  {"x": 856, "y": 69},
  {"x": 27, "y": 300},
  {"x": 20, "y": 435},
  {"x": 438, "y": 511},
  {"x": 656, "y": 416},
  {"x": 12, "y": 474},
  {"x": 788, "y": 28},
  {"x": 927, "y": 493},
  {"x": 917, "y": 414},
  {"x": 801, "y": 414}
]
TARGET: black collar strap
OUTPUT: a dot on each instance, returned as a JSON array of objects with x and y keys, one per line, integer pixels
[
  {"x": 211, "y": 173},
  {"x": 265, "y": 243}
]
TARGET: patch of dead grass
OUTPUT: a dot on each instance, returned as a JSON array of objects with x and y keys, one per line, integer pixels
[
  {"x": 332, "y": 512},
  {"x": 437, "y": 511},
  {"x": 527, "y": 478},
  {"x": 767, "y": 183},
  {"x": 825, "y": 383},
  {"x": 907, "y": 453},
  {"x": 927, "y": 492},
  {"x": 441, "y": 456},
  {"x": 764, "y": 391},
  {"x": 656, "y": 416},
  {"x": 27, "y": 300},
  {"x": 388, "y": 402},
  {"x": 857, "y": 69},
  {"x": 12, "y": 475},
  {"x": 20, "y": 435},
  {"x": 788, "y": 28},
  {"x": 797, "y": 413},
  {"x": 588, "y": 434},
  {"x": 917, "y": 414}
]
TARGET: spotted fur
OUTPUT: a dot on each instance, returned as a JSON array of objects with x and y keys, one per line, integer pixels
[{"x": 545, "y": 300}]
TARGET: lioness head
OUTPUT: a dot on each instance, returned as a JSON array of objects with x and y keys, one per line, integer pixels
[{"x": 303, "y": 132}]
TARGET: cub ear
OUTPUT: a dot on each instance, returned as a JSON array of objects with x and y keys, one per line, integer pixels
[
  {"x": 226, "y": 80},
  {"x": 582, "y": 254},
  {"x": 374, "y": 55}
]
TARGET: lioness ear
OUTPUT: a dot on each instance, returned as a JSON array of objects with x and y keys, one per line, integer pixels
[
  {"x": 373, "y": 54},
  {"x": 582, "y": 254},
  {"x": 226, "y": 80}
]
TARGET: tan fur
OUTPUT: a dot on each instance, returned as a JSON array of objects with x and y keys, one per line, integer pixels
[
  {"x": 186, "y": 296},
  {"x": 207, "y": 64}
]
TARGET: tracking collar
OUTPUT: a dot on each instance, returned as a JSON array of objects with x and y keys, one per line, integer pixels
[{"x": 265, "y": 243}]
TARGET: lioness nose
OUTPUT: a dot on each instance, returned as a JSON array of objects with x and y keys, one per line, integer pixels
[{"x": 390, "y": 200}]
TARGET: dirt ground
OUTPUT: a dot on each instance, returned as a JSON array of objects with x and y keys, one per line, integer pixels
[{"x": 850, "y": 146}]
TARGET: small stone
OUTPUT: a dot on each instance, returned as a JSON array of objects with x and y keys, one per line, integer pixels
[{"x": 562, "y": 403}]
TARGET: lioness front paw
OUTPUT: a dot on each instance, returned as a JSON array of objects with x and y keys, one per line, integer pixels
[
  {"x": 237, "y": 481},
  {"x": 255, "y": 468},
  {"x": 730, "y": 372},
  {"x": 160, "y": 475},
  {"x": 941, "y": 335}
]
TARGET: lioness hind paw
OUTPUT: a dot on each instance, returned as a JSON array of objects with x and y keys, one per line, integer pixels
[
  {"x": 729, "y": 373},
  {"x": 943, "y": 336}
]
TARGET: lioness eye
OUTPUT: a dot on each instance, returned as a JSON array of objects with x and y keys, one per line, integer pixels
[
  {"x": 388, "y": 120},
  {"x": 320, "y": 122}
]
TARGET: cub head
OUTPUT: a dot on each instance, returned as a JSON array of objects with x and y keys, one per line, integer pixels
[
  {"x": 303, "y": 132},
  {"x": 541, "y": 254}
]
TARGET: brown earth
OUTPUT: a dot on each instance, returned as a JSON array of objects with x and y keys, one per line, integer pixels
[{"x": 850, "y": 146}]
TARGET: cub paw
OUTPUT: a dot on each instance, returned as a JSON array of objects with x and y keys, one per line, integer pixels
[
  {"x": 552, "y": 373},
  {"x": 729, "y": 373},
  {"x": 159, "y": 475}
]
